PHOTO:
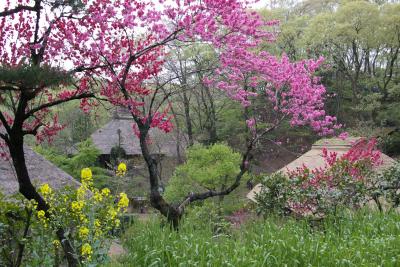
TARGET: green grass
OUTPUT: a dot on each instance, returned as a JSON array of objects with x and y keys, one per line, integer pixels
[{"x": 362, "y": 239}]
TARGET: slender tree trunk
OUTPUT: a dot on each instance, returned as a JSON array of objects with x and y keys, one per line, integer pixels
[
  {"x": 178, "y": 136},
  {"x": 212, "y": 118},
  {"x": 21, "y": 246},
  {"x": 172, "y": 213},
  {"x": 186, "y": 105}
]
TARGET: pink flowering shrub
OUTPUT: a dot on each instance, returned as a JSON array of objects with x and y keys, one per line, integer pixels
[{"x": 343, "y": 182}]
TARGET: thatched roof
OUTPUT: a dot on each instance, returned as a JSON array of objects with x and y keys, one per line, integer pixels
[
  {"x": 119, "y": 132},
  {"x": 313, "y": 158},
  {"x": 40, "y": 170}
]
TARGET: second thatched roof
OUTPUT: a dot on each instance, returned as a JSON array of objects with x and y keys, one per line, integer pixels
[
  {"x": 119, "y": 132},
  {"x": 313, "y": 159}
]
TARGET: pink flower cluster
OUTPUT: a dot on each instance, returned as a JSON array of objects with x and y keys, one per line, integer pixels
[
  {"x": 291, "y": 88},
  {"x": 354, "y": 166},
  {"x": 120, "y": 46}
]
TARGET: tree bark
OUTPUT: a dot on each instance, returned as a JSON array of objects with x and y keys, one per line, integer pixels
[
  {"x": 172, "y": 214},
  {"x": 21, "y": 245},
  {"x": 186, "y": 105}
]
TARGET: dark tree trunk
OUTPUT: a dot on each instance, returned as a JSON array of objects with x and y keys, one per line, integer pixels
[
  {"x": 212, "y": 130},
  {"x": 26, "y": 187},
  {"x": 21, "y": 246},
  {"x": 172, "y": 213},
  {"x": 178, "y": 136},
  {"x": 188, "y": 120}
]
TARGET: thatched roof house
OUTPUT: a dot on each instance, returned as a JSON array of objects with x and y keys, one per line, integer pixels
[
  {"x": 119, "y": 133},
  {"x": 313, "y": 158},
  {"x": 40, "y": 170}
]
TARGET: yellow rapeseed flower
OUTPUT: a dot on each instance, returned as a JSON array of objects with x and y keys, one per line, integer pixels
[
  {"x": 86, "y": 250},
  {"x": 123, "y": 201},
  {"x": 83, "y": 219},
  {"x": 117, "y": 222},
  {"x": 97, "y": 227},
  {"x": 121, "y": 170},
  {"x": 56, "y": 243},
  {"x": 45, "y": 189},
  {"x": 105, "y": 192},
  {"x": 98, "y": 196},
  {"x": 86, "y": 175},
  {"x": 83, "y": 232},
  {"x": 77, "y": 206},
  {"x": 112, "y": 213},
  {"x": 41, "y": 215}
]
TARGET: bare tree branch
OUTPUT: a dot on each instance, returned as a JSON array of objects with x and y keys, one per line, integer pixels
[
  {"x": 17, "y": 9},
  {"x": 57, "y": 102},
  {"x": 244, "y": 167},
  {"x": 4, "y": 122}
]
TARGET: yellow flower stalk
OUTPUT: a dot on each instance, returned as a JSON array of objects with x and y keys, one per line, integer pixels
[
  {"x": 83, "y": 232},
  {"x": 77, "y": 206},
  {"x": 121, "y": 170},
  {"x": 105, "y": 192},
  {"x": 41, "y": 215},
  {"x": 45, "y": 190},
  {"x": 83, "y": 219},
  {"x": 86, "y": 175},
  {"x": 86, "y": 250},
  {"x": 81, "y": 192},
  {"x": 112, "y": 213},
  {"x": 56, "y": 243},
  {"x": 123, "y": 201},
  {"x": 98, "y": 197}
]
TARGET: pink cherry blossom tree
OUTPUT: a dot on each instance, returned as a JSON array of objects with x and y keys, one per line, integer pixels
[{"x": 112, "y": 50}]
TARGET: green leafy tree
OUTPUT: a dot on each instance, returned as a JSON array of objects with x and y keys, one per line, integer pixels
[{"x": 207, "y": 168}]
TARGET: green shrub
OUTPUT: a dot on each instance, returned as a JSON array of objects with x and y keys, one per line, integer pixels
[
  {"x": 87, "y": 156},
  {"x": 213, "y": 167},
  {"x": 274, "y": 196},
  {"x": 387, "y": 185}
]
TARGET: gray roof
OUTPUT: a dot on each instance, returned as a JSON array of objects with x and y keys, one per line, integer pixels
[
  {"x": 119, "y": 131},
  {"x": 40, "y": 171}
]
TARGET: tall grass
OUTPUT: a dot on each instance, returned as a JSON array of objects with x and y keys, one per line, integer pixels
[{"x": 361, "y": 239}]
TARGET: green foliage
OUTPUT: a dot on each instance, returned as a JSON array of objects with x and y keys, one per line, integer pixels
[
  {"x": 388, "y": 185},
  {"x": 14, "y": 219},
  {"x": 391, "y": 144},
  {"x": 116, "y": 154},
  {"x": 231, "y": 127},
  {"x": 208, "y": 215},
  {"x": 86, "y": 156},
  {"x": 274, "y": 195},
  {"x": 212, "y": 167},
  {"x": 360, "y": 239},
  {"x": 32, "y": 76}
]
